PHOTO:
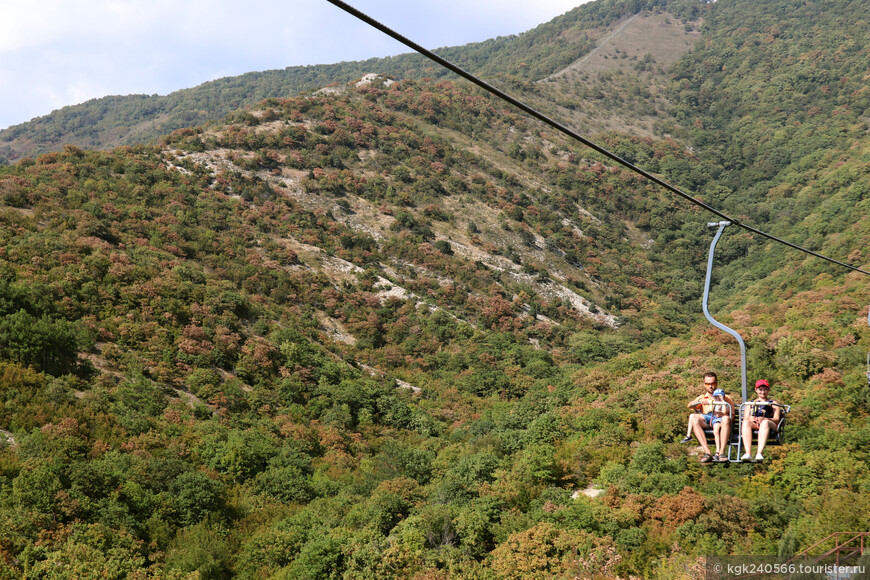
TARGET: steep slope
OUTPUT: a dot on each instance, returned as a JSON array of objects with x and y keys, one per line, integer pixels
[
  {"x": 776, "y": 99},
  {"x": 620, "y": 84}
]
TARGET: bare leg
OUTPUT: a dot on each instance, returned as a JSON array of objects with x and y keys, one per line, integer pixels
[
  {"x": 747, "y": 437},
  {"x": 725, "y": 436},
  {"x": 697, "y": 423},
  {"x": 763, "y": 433},
  {"x": 717, "y": 436}
]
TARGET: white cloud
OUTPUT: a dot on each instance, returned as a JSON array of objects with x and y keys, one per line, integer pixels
[{"x": 55, "y": 52}]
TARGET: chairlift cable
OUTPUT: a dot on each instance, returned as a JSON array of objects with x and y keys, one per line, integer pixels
[{"x": 573, "y": 134}]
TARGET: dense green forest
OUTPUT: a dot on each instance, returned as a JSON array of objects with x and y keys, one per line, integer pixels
[{"x": 396, "y": 329}]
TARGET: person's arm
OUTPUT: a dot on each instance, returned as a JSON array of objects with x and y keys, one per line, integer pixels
[
  {"x": 777, "y": 412},
  {"x": 695, "y": 403}
]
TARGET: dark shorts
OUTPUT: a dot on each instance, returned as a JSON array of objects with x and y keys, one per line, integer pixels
[{"x": 755, "y": 423}]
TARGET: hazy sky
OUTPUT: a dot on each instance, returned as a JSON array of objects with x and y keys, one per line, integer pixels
[{"x": 55, "y": 53}]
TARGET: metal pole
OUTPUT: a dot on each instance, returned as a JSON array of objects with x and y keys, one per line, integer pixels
[{"x": 713, "y": 321}]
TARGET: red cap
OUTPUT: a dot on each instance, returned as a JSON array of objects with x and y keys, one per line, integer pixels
[{"x": 760, "y": 382}]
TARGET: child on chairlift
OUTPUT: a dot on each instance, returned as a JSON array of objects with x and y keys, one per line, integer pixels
[{"x": 719, "y": 408}]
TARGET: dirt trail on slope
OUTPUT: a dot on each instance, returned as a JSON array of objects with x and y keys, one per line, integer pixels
[{"x": 661, "y": 36}]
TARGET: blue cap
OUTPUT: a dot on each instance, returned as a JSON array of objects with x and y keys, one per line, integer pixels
[{"x": 718, "y": 393}]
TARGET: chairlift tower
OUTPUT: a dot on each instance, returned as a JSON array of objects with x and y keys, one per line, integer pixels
[{"x": 722, "y": 225}]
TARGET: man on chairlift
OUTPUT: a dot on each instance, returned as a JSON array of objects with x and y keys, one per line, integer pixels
[{"x": 704, "y": 417}]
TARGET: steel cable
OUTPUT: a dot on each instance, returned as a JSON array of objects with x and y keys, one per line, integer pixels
[{"x": 574, "y": 135}]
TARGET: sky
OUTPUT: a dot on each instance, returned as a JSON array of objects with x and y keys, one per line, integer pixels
[{"x": 55, "y": 53}]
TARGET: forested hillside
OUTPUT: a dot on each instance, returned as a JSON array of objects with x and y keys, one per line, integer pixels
[
  {"x": 128, "y": 120},
  {"x": 398, "y": 330}
]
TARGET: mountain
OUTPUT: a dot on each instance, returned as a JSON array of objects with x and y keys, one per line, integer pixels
[
  {"x": 391, "y": 327},
  {"x": 127, "y": 120}
]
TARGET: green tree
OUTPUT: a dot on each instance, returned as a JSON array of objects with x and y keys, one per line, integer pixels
[
  {"x": 48, "y": 345},
  {"x": 194, "y": 495}
]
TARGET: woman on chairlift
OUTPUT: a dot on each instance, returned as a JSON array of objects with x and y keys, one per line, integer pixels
[{"x": 763, "y": 416}]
